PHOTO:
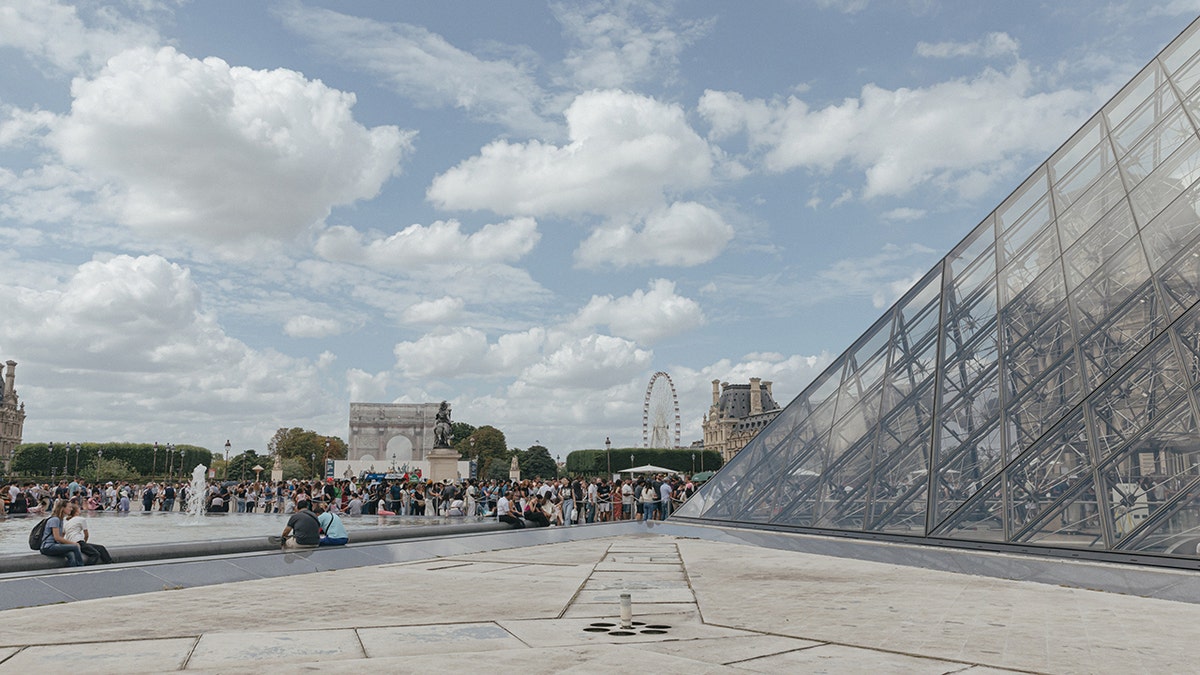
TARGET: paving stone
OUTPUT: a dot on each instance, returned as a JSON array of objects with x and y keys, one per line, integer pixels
[
  {"x": 443, "y": 639},
  {"x": 728, "y": 649},
  {"x": 221, "y": 649},
  {"x": 645, "y": 595},
  {"x": 835, "y": 659},
  {"x": 126, "y": 656}
]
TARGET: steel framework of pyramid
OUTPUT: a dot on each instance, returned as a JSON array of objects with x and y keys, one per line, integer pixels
[{"x": 1045, "y": 373}]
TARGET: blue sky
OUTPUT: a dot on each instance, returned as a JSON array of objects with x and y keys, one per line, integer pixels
[{"x": 220, "y": 218}]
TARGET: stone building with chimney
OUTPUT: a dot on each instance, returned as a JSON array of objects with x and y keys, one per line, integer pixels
[
  {"x": 738, "y": 413},
  {"x": 12, "y": 417}
]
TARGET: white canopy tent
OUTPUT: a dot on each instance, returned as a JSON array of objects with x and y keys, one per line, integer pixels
[{"x": 647, "y": 468}]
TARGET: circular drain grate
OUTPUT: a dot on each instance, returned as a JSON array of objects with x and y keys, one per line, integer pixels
[{"x": 639, "y": 628}]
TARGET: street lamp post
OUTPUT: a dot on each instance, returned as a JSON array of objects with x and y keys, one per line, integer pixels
[
  {"x": 66, "y": 458},
  {"x": 50, "y": 450},
  {"x": 77, "y": 448},
  {"x": 312, "y": 463},
  {"x": 227, "y": 446},
  {"x": 181, "y": 451},
  {"x": 326, "y": 454},
  {"x": 693, "y": 463},
  {"x": 608, "y": 455},
  {"x": 154, "y": 455}
]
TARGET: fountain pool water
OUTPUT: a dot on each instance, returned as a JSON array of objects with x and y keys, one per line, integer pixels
[{"x": 115, "y": 529}]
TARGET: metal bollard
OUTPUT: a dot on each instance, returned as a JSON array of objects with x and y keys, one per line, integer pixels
[{"x": 626, "y": 610}]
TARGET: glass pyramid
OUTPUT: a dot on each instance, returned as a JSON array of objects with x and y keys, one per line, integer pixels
[{"x": 1040, "y": 386}]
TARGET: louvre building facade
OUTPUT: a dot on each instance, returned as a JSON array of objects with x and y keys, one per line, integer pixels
[{"x": 1040, "y": 386}]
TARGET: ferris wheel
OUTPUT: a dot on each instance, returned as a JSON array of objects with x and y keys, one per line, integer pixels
[{"x": 660, "y": 409}]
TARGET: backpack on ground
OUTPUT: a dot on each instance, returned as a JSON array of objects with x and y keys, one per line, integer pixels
[{"x": 37, "y": 534}]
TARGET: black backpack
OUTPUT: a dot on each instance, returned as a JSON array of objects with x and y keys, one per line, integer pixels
[{"x": 37, "y": 534}]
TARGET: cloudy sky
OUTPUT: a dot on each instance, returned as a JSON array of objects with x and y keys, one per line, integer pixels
[{"x": 220, "y": 218}]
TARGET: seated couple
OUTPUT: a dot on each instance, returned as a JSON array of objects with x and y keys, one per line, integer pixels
[{"x": 312, "y": 528}]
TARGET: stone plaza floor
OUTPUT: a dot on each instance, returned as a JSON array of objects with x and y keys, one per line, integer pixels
[{"x": 547, "y": 601}]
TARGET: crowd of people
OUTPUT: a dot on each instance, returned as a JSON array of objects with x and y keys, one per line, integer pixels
[
  {"x": 562, "y": 501},
  {"x": 533, "y": 503}
]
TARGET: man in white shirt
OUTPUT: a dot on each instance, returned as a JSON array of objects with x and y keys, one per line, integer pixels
[{"x": 504, "y": 513}]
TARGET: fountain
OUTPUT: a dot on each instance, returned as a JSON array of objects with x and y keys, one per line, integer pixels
[{"x": 195, "y": 497}]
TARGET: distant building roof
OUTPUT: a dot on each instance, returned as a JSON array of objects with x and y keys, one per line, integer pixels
[{"x": 735, "y": 401}]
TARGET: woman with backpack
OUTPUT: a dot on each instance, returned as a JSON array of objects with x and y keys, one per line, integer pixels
[{"x": 54, "y": 543}]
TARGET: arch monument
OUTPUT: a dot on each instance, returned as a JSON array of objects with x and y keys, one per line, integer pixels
[{"x": 374, "y": 425}]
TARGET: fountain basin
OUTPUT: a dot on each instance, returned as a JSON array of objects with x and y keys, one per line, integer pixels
[{"x": 148, "y": 536}]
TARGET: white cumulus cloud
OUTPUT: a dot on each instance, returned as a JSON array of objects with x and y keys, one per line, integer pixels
[
  {"x": 435, "y": 244},
  {"x": 643, "y": 316},
  {"x": 56, "y": 34},
  {"x": 961, "y": 135},
  {"x": 991, "y": 45},
  {"x": 682, "y": 235},
  {"x": 434, "y": 311},
  {"x": 625, "y": 151},
  {"x": 305, "y": 326},
  {"x": 220, "y": 153},
  {"x": 426, "y": 68}
]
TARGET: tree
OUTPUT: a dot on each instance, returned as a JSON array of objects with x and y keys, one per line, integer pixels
[
  {"x": 491, "y": 451},
  {"x": 461, "y": 433},
  {"x": 308, "y": 446},
  {"x": 109, "y": 469},
  {"x": 536, "y": 461},
  {"x": 242, "y": 466}
]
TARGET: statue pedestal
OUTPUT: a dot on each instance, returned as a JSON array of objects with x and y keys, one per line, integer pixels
[{"x": 443, "y": 464}]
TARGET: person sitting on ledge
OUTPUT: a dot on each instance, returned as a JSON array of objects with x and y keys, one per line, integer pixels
[
  {"x": 76, "y": 530},
  {"x": 333, "y": 532},
  {"x": 303, "y": 530},
  {"x": 54, "y": 543}
]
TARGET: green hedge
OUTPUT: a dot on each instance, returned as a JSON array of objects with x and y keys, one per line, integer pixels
[
  {"x": 38, "y": 460},
  {"x": 596, "y": 462}
]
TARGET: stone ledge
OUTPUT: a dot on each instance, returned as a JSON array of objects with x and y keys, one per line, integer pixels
[{"x": 26, "y": 562}]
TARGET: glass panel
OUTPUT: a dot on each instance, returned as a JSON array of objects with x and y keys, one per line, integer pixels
[
  {"x": 1038, "y": 257},
  {"x": 980, "y": 518},
  {"x": 1178, "y": 530},
  {"x": 902, "y": 460},
  {"x": 1157, "y": 146},
  {"x": 849, "y": 479},
  {"x": 969, "y": 313},
  {"x": 1043, "y": 405},
  {"x": 1021, "y": 201},
  {"x": 1079, "y": 179},
  {"x": 1100, "y": 244},
  {"x": 1137, "y": 481},
  {"x": 1037, "y": 353},
  {"x": 1035, "y": 305},
  {"x": 1170, "y": 179},
  {"x": 1083, "y": 144},
  {"x": 1075, "y": 522},
  {"x": 865, "y": 366},
  {"x": 1187, "y": 332},
  {"x": 1147, "y": 115},
  {"x": 1123, "y": 333},
  {"x": 1109, "y": 287},
  {"x": 1131, "y": 95},
  {"x": 969, "y": 463},
  {"x": 1107, "y": 193},
  {"x": 1053, "y": 466},
  {"x": 1131, "y": 401},
  {"x": 1030, "y": 225},
  {"x": 1173, "y": 229},
  {"x": 973, "y": 250},
  {"x": 1182, "y": 49}
]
